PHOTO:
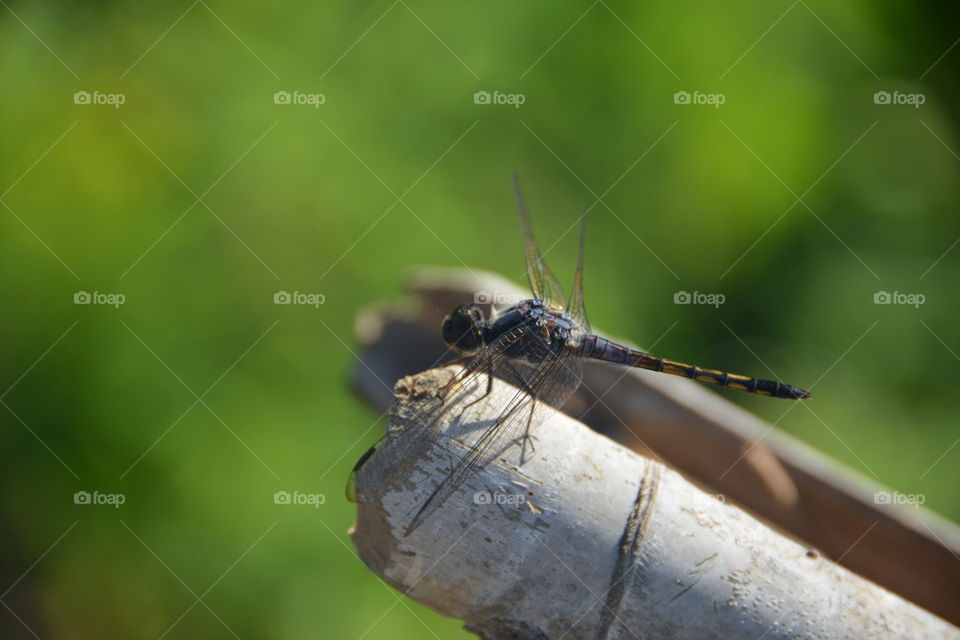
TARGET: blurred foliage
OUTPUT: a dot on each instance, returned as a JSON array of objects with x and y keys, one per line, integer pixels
[{"x": 199, "y": 198}]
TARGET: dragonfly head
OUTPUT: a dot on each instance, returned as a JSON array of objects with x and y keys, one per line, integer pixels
[{"x": 463, "y": 329}]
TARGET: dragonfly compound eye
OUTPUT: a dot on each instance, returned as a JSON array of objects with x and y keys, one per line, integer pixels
[{"x": 463, "y": 329}]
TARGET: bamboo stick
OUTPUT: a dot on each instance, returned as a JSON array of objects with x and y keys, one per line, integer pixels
[{"x": 585, "y": 539}]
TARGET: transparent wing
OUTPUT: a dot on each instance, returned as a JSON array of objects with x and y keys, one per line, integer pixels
[
  {"x": 575, "y": 304},
  {"x": 543, "y": 284},
  {"x": 552, "y": 380},
  {"x": 454, "y": 395},
  {"x": 555, "y": 392}
]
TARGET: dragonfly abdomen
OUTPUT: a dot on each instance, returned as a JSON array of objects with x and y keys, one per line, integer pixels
[{"x": 592, "y": 346}]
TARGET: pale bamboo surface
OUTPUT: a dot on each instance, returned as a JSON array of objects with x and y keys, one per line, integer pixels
[{"x": 574, "y": 536}]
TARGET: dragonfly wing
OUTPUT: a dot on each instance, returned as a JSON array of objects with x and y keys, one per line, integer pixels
[
  {"x": 515, "y": 420},
  {"x": 575, "y": 305},
  {"x": 543, "y": 284},
  {"x": 564, "y": 381},
  {"x": 453, "y": 395}
]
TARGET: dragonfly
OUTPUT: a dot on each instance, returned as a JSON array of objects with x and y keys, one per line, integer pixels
[{"x": 539, "y": 346}]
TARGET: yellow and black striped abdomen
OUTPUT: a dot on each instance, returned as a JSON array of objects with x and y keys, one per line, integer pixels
[{"x": 602, "y": 349}]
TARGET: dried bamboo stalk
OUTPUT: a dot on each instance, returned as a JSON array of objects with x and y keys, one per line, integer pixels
[{"x": 586, "y": 539}]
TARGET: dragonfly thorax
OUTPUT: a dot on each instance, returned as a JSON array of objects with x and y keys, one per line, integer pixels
[
  {"x": 518, "y": 327},
  {"x": 533, "y": 328}
]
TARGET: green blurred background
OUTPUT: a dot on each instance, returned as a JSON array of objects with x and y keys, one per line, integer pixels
[{"x": 199, "y": 398}]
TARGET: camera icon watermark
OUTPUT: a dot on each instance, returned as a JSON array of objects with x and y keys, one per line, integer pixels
[
  {"x": 97, "y": 297},
  {"x": 895, "y": 497},
  {"x": 311, "y": 499},
  {"x": 495, "y": 298},
  {"x": 96, "y": 97},
  {"x": 486, "y": 97},
  {"x": 712, "y": 99},
  {"x": 88, "y": 498},
  {"x": 311, "y": 99},
  {"x": 896, "y": 97},
  {"x": 911, "y": 299},
  {"x": 496, "y": 497},
  {"x": 712, "y": 299},
  {"x": 309, "y": 299}
]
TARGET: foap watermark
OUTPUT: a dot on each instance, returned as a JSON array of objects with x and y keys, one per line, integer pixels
[
  {"x": 296, "y": 497},
  {"x": 297, "y": 97},
  {"x": 698, "y": 297},
  {"x": 897, "y": 97},
  {"x": 713, "y": 99},
  {"x": 497, "y": 497},
  {"x": 895, "y": 497},
  {"x": 311, "y": 299},
  {"x": 495, "y": 298},
  {"x": 485, "y": 97},
  {"x": 98, "y": 297},
  {"x": 112, "y": 499},
  {"x": 98, "y": 97},
  {"x": 898, "y": 297}
]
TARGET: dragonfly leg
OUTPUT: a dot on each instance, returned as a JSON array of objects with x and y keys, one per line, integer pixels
[
  {"x": 485, "y": 393},
  {"x": 456, "y": 379},
  {"x": 526, "y": 438}
]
